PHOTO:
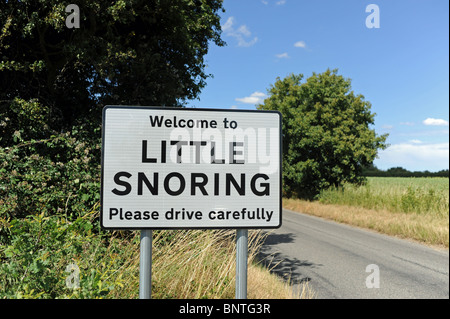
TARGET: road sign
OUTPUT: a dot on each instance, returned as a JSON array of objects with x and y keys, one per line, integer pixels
[{"x": 165, "y": 168}]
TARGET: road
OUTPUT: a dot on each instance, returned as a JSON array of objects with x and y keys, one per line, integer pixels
[{"x": 338, "y": 261}]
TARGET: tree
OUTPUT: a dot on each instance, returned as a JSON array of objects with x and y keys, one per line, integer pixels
[
  {"x": 54, "y": 81},
  {"x": 139, "y": 52},
  {"x": 327, "y": 139}
]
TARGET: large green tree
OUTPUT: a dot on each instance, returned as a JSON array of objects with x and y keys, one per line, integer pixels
[
  {"x": 327, "y": 134},
  {"x": 54, "y": 81},
  {"x": 139, "y": 52}
]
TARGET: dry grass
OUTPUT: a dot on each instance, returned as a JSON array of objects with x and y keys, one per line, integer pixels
[
  {"x": 264, "y": 285},
  {"x": 425, "y": 228},
  {"x": 411, "y": 208},
  {"x": 199, "y": 264}
]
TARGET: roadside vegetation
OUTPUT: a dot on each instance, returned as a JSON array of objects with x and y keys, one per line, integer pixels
[
  {"x": 186, "y": 263},
  {"x": 412, "y": 208}
]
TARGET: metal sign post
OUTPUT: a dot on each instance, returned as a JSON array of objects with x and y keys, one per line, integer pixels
[
  {"x": 145, "y": 267},
  {"x": 241, "y": 263}
]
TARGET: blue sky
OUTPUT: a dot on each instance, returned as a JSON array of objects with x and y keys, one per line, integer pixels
[{"x": 402, "y": 67}]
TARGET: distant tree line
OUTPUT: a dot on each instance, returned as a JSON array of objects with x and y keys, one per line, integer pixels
[{"x": 373, "y": 171}]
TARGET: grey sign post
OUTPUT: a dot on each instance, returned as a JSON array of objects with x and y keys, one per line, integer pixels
[
  {"x": 145, "y": 266},
  {"x": 180, "y": 168},
  {"x": 241, "y": 263}
]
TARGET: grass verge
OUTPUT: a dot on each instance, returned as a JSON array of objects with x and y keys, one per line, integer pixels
[
  {"x": 200, "y": 264},
  {"x": 41, "y": 253},
  {"x": 410, "y": 208},
  {"x": 424, "y": 228}
]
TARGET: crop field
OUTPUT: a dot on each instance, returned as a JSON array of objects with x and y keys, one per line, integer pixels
[
  {"x": 413, "y": 208},
  {"x": 396, "y": 194}
]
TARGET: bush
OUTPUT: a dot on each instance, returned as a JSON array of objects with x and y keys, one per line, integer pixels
[
  {"x": 57, "y": 175},
  {"x": 36, "y": 263},
  {"x": 23, "y": 120},
  {"x": 47, "y": 254}
]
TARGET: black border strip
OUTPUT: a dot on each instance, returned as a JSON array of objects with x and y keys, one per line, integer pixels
[{"x": 187, "y": 109}]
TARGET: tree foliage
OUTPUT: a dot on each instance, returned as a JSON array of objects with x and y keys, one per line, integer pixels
[
  {"x": 54, "y": 81},
  {"x": 139, "y": 52},
  {"x": 327, "y": 138}
]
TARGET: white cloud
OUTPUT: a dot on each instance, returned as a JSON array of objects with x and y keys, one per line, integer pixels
[
  {"x": 278, "y": 3},
  {"x": 407, "y": 123},
  {"x": 233, "y": 107},
  {"x": 415, "y": 156},
  {"x": 254, "y": 98},
  {"x": 300, "y": 44},
  {"x": 244, "y": 30},
  {"x": 227, "y": 27},
  {"x": 435, "y": 122},
  {"x": 242, "y": 34},
  {"x": 282, "y": 55}
]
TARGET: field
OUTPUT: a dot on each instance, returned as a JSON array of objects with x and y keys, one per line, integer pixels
[
  {"x": 410, "y": 195},
  {"x": 412, "y": 208}
]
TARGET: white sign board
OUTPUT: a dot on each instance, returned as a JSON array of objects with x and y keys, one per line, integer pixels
[{"x": 168, "y": 168}]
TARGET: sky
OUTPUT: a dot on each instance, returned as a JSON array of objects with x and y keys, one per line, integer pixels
[{"x": 396, "y": 54}]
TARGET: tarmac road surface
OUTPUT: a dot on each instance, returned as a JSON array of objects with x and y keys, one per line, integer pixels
[{"x": 344, "y": 262}]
